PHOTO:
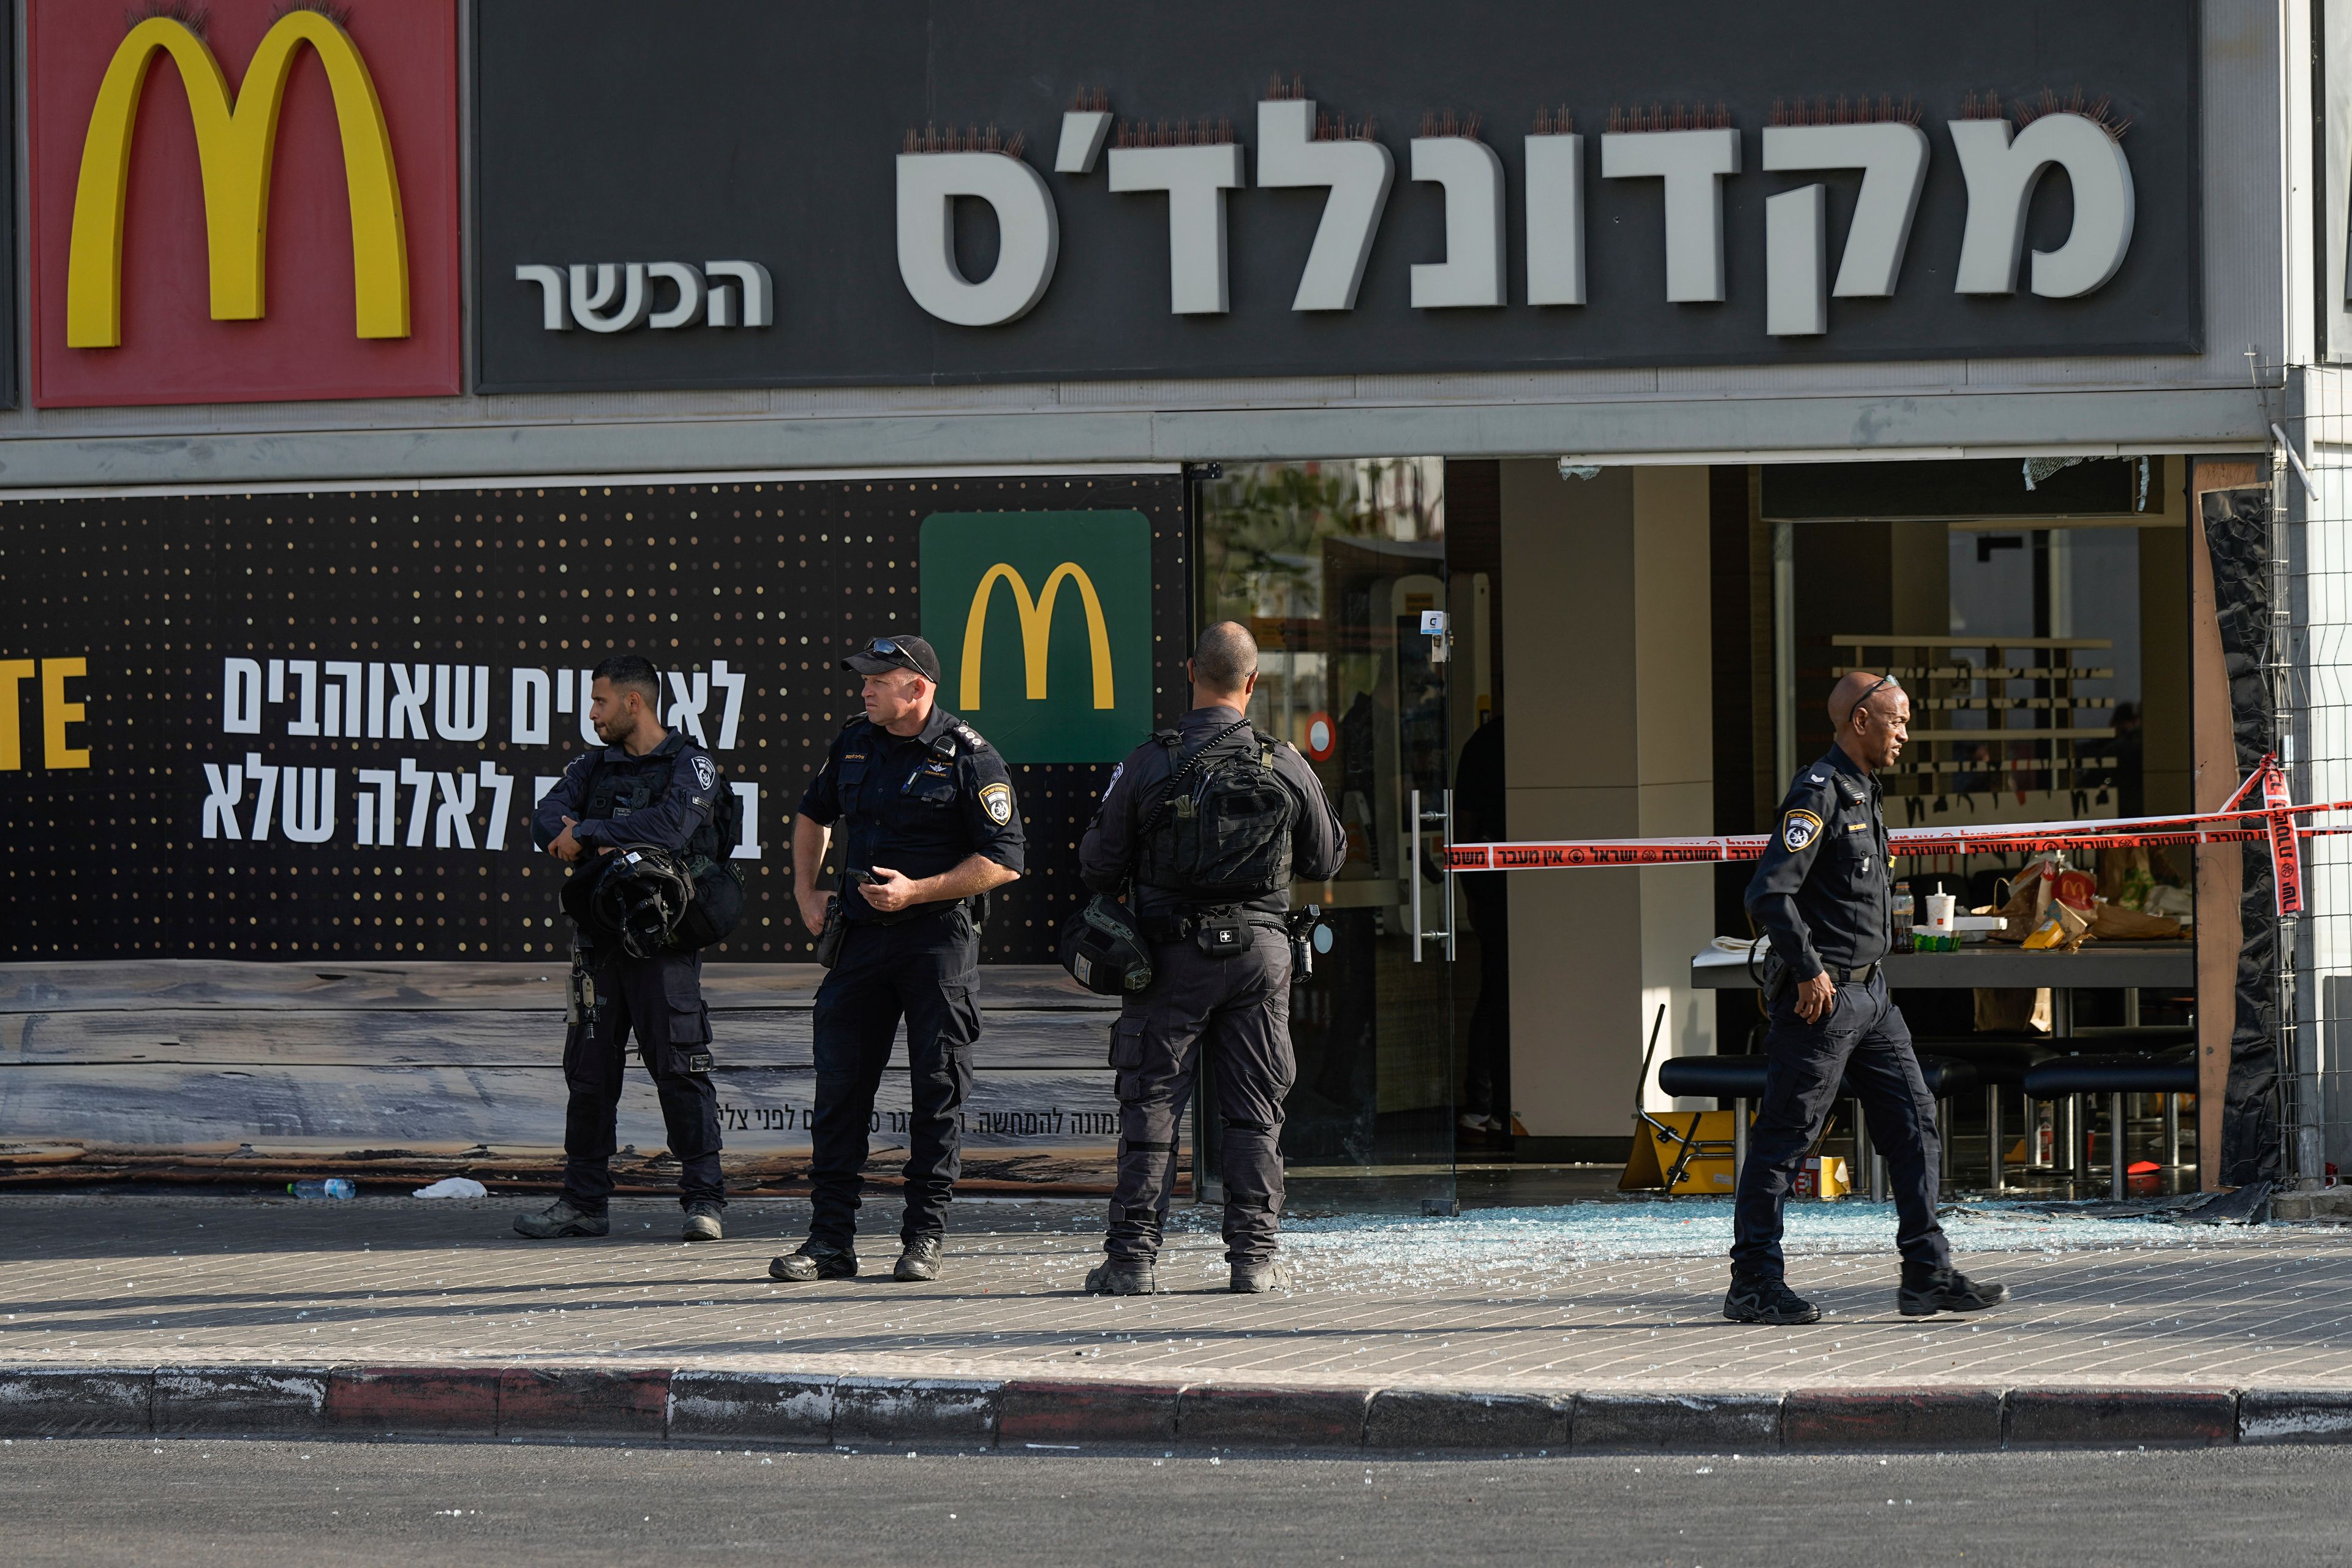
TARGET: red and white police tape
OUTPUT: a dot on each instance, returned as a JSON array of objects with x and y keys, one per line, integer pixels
[{"x": 2236, "y": 822}]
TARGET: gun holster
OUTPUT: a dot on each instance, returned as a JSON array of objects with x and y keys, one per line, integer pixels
[{"x": 828, "y": 940}]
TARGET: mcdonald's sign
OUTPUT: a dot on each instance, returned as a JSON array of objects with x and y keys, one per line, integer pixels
[
  {"x": 1043, "y": 624},
  {"x": 274, "y": 215}
]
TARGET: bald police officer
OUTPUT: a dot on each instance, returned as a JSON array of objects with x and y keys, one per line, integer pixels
[
  {"x": 1209, "y": 822},
  {"x": 645, "y": 788},
  {"x": 1823, "y": 895},
  {"x": 929, "y": 825}
]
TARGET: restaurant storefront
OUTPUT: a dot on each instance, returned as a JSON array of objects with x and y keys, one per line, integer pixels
[{"x": 1561, "y": 404}]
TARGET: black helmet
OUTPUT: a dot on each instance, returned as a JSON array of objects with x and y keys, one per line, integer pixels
[
  {"x": 1102, "y": 950},
  {"x": 640, "y": 896}
]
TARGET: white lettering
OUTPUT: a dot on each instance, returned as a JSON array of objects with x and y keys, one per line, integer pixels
[
  {"x": 1472, "y": 175},
  {"x": 1029, "y": 235},
  {"x": 528, "y": 722},
  {"x": 1358, "y": 173},
  {"x": 310, "y": 805},
  {"x": 226, "y": 792},
  {"x": 461, "y": 706},
  {"x": 1692, "y": 163},
  {"x": 1196, "y": 180},
  {"x": 240, "y": 697}
]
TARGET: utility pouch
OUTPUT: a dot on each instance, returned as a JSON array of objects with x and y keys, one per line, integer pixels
[
  {"x": 828, "y": 940},
  {"x": 1220, "y": 934}
]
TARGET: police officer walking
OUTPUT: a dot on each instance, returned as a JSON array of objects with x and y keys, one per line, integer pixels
[
  {"x": 929, "y": 825},
  {"x": 645, "y": 789},
  {"x": 1208, "y": 822},
  {"x": 1823, "y": 894}
]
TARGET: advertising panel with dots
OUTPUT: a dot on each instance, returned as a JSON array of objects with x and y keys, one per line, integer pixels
[{"x": 298, "y": 727}]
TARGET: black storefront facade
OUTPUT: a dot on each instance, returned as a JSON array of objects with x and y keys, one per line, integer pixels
[{"x": 1627, "y": 385}]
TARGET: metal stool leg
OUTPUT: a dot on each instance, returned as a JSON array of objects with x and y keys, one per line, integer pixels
[
  {"x": 1738, "y": 1140},
  {"x": 2172, "y": 1132},
  {"x": 2119, "y": 1158},
  {"x": 2067, "y": 1155},
  {"x": 1992, "y": 1134}
]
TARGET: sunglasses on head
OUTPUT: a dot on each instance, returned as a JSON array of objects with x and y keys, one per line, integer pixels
[
  {"x": 1882, "y": 680},
  {"x": 887, "y": 647}
]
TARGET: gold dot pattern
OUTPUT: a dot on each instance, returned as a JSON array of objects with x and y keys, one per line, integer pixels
[{"x": 156, "y": 593}]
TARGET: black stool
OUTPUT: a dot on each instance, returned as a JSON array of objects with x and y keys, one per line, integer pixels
[{"x": 2115, "y": 1076}]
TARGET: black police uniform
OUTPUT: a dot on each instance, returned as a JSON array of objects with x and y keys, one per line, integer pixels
[
  {"x": 1823, "y": 895},
  {"x": 920, "y": 805},
  {"x": 1240, "y": 1003},
  {"x": 665, "y": 800}
]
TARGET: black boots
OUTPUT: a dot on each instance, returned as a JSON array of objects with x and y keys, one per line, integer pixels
[
  {"x": 814, "y": 1260},
  {"x": 1755, "y": 1300},
  {"x": 1123, "y": 1277},
  {"x": 919, "y": 1260},
  {"x": 1928, "y": 1291},
  {"x": 561, "y": 1218}
]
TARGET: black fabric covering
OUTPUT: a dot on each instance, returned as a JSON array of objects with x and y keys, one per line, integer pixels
[{"x": 2238, "y": 534}]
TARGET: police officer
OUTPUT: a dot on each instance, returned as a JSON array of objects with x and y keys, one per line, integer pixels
[
  {"x": 1210, "y": 822},
  {"x": 929, "y": 825},
  {"x": 646, "y": 789},
  {"x": 1823, "y": 894}
]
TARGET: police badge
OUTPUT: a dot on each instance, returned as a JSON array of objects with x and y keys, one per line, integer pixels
[
  {"x": 996, "y": 799},
  {"x": 1798, "y": 829},
  {"x": 707, "y": 771}
]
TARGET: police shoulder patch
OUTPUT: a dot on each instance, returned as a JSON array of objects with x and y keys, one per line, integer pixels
[
  {"x": 706, "y": 771},
  {"x": 1798, "y": 829},
  {"x": 996, "y": 799}
]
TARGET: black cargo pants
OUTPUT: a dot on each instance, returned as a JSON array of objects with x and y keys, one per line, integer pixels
[
  {"x": 1237, "y": 1008},
  {"x": 1862, "y": 1041},
  {"x": 926, "y": 971},
  {"x": 660, "y": 999}
]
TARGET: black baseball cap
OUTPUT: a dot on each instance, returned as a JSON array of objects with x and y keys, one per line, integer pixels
[{"x": 880, "y": 656}]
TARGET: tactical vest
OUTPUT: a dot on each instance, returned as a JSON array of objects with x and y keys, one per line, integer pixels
[
  {"x": 616, "y": 791},
  {"x": 1217, "y": 829}
]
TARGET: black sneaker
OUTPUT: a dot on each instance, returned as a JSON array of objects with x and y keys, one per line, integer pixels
[
  {"x": 1123, "y": 1277},
  {"x": 702, "y": 1221},
  {"x": 1946, "y": 1290},
  {"x": 1767, "y": 1302},
  {"x": 814, "y": 1260},
  {"x": 919, "y": 1260},
  {"x": 561, "y": 1218},
  {"x": 1257, "y": 1279}
]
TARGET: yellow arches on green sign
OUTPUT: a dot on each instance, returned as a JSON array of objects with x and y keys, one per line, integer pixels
[{"x": 1037, "y": 630}]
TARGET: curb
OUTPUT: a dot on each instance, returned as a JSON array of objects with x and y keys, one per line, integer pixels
[{"x": 823, "y": 1410}]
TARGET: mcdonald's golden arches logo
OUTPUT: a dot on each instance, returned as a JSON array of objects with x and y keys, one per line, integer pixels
[
  {"x": 236, "y": 143},
  {"x": 1066, "y": 676}
]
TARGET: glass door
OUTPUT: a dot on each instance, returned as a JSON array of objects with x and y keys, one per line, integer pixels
[{"x": 1339, "y": 571}]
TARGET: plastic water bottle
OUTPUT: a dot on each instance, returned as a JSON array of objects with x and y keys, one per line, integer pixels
[{"x": 334, "y": 1187}]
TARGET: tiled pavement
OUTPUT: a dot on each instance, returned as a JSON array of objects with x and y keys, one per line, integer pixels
[{"x": 1481, "y": 1302}]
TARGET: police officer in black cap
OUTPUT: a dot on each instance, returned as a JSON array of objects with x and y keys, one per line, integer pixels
[
  {"x": 929, "y": 825},
  {"x": 1823, "y": 894},
  {"x": 646, "y": 789},
  {"x": 1209, "y": 822}
]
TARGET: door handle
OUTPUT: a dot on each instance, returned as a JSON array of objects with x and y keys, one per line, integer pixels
[{"x": 1441, "y": 819}]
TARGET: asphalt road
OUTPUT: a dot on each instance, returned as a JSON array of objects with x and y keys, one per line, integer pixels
[{"x": 257, "y": 1505}]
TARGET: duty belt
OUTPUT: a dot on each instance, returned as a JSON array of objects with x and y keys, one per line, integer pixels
[{"x": 1841, "y": 975}]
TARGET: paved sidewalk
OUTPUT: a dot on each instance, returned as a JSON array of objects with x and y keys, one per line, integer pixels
[{"x": 1590, "y": 1297}]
